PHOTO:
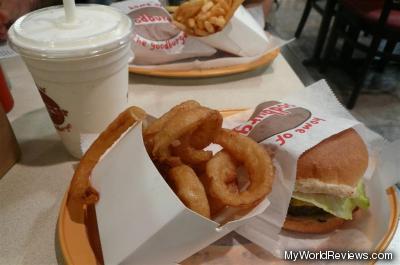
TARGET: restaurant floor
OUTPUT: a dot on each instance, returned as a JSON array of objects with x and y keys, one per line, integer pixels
[{"x": 379, "y": 104}]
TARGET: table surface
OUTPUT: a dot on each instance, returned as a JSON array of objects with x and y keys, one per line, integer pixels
[{"x": 31, "y": 192}]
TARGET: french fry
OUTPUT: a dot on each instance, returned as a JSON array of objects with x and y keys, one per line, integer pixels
[
  {"x": 179, "y": 25},
  {"x": 204, "y": 17},
  {"x": 191, "y": 23},
  {"x": 191, "y": 8},
  {"x": 213, "y": 20},
  {"x": 217, "y": 10},
  {"x": 177, "y": 12},
  {"x": 200, "y": 24},
  {"x": 224, "y": 5},
  {"x": 209, "y": 27},
  {"x": 221, "y": 21},
  {"x": 201, "y": 33},
  {"x": 207, "y": 6},
  {"x": 218, "y": 21}
]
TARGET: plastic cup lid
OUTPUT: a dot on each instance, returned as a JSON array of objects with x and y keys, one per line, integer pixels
[{"x": 44, "y": 33}]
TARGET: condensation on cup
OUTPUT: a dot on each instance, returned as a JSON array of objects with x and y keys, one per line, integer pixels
[{"x": 80, "y": 66}]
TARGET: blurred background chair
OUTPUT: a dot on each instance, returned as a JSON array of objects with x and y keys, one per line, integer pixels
[
  {"x": 306, "y": 13},
  {"x": 379, "y": 19},
  {"x": 327, "y": 9}
]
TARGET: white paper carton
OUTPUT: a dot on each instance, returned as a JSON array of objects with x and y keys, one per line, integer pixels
[
  {"x": 140, "y": 219},
  {"x": 242, "y": 36}
]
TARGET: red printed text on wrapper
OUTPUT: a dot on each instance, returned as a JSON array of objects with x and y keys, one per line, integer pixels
[{"x": 279, "y": 122}]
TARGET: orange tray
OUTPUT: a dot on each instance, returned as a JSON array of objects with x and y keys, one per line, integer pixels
[
  {"x": 80, "y": 242},
  {"x": 264, "y": 60}
]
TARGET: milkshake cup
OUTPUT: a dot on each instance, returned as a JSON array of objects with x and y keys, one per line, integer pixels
[{"x": 78, "y": 58}]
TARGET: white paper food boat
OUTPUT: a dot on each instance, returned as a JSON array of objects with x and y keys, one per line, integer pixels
[{"x": 140, "y": 219}]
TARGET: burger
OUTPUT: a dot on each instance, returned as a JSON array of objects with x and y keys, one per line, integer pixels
[{"x": 329, "y": 187}]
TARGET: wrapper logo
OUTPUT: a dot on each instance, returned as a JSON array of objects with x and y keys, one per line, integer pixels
[
  {"x": 273, "y": 118},
  {"x": 176, "y": 42},
  {"x": 144, "y": 5},
  {"x": 154, "y": 30},
  {"x": 57, "y": 114},
  {"x": 146, "y": 19}
]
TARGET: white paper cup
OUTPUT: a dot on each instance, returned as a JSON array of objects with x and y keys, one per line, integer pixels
[{"x": 80, "y": 68}]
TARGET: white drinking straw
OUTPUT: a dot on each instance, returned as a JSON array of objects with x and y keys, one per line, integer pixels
[{"x": 70, "y": 11}]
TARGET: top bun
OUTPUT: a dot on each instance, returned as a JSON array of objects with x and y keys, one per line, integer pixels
[{"x": 334, "y": 166}]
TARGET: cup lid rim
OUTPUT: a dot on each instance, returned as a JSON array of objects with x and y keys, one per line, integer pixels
[{"x": 75, "y": 47}]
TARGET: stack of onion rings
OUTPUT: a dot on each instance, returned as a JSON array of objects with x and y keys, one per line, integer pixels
[
  {"x": 171, "y": 134},
  {"x": 175, "y": 143}
]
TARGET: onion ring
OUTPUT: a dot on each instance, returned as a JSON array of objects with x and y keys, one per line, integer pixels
[
  {"x": 203, "y": 137},
  {"x": 80, "y": 188},
  {"x": 190, "y": 146},
  {"x": 255, "y": 159},
  {"x": 216, "y": 205},
  {"x": 159, "y": 123},
  {"x": 179, "y": 126},
  {"x": 190, "y": 155},
  {"x": 189, "y": 189}
]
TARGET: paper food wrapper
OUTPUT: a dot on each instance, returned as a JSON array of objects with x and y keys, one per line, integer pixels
[
  {"x": 242, "y": 36},
  {"x": 293, "y": 125},
  {"x": 156, "y": 40},
  {"x": 220, "y": 59},
  {"x": 140, "y": 219}
]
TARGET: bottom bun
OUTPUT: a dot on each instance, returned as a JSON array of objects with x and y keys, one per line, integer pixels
[{"x": 310, "y": 225}]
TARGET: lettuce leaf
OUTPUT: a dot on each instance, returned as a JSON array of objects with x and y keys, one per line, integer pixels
[{"x": 340, "y": 207}]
